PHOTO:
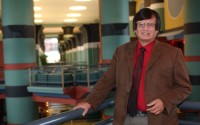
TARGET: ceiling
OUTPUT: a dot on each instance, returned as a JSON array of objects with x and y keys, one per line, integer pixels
[{"x": 54, "y": 12}]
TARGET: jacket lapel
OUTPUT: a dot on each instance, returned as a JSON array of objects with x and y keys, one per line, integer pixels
[
  {"x": 130, "y": 55},
  {"x": 156, "y": 53}
]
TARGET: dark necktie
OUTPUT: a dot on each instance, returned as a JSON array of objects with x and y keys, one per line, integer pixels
[{"x": 132, "y": 101}]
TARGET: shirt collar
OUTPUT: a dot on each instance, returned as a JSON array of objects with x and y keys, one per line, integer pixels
[{"x": 147, "y": 47}]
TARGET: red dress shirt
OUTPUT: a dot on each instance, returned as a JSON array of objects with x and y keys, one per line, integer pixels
[{"x": 141, "y": 98}]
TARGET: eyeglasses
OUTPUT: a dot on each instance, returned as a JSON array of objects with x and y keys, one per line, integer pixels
[{"x": 149, "y": 25}]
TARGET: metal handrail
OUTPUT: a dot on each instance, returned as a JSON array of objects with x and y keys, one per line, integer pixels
[
  {"x": 190, "y": 105},
  {"x": 69, "y": 115},
  {"x": 184, "y": 122}
]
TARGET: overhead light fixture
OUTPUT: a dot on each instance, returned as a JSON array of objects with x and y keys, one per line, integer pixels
[
  {"x": 73, "y": 14},
  {"x": 82, "y": 0},
  {"x": 78, "y": 8},
  {"x": 70, "y": 20},
  {"x": 37, "y": 15},
  {"x": 36, "y": 8},
  {"x": 38, "y": 21},
  {"x": 36, "y": 0}
]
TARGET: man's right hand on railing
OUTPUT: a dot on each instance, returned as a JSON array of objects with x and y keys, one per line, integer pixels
[{"x": 84, "y": 105}]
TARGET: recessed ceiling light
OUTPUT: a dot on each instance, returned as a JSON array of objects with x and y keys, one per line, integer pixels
[
  {"x": 36, "y": 8},
  {"x": 37, "y": 15},
  {"x": 38, "y": 21},
  {"x": 36, "y": 0},
  {"x": 78, "y": 8},
  {"x": 73, "y": 14},
  {"x": 70, "y": 20},
  {"x": 82, "y": 0}
]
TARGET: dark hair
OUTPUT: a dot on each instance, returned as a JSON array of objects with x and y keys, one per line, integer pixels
[{"x": 146, "y": 13}]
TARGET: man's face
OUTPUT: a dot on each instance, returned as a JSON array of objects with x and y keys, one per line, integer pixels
[{"x": 146, "y": 31}]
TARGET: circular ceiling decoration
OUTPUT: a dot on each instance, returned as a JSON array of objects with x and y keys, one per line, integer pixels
[{"x": 174, "y": 7}]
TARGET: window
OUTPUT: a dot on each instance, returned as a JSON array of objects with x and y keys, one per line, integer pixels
[{"x": 51, "y": 50}]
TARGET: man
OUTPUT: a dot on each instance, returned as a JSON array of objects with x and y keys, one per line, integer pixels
[{"x": 163, "y": 82}]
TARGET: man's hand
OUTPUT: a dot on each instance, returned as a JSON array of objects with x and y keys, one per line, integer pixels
[
  {"x": 156, "y": 107},
  {"x": 84, "y": 105}
]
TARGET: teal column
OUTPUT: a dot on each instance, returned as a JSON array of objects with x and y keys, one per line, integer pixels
[
  {"x": 39, "y": 38},
  {"x": 74, "y": 49},
  {"x": 91, "y": 43},
  {"x": 62, "y": 48},
  {"x": 114, "y": 25},
  {"x": 158, "y": 6},
  {"x": 19, "y": 55},
  {"x": 69, "y": 37},
  {"x": 84, "y": 40},
  {"x": 70, "y": 51},
  {"x": 67, "y": 52},
  {"x": 192, "y": 45},
  {"x": 79, "y": 47}
]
